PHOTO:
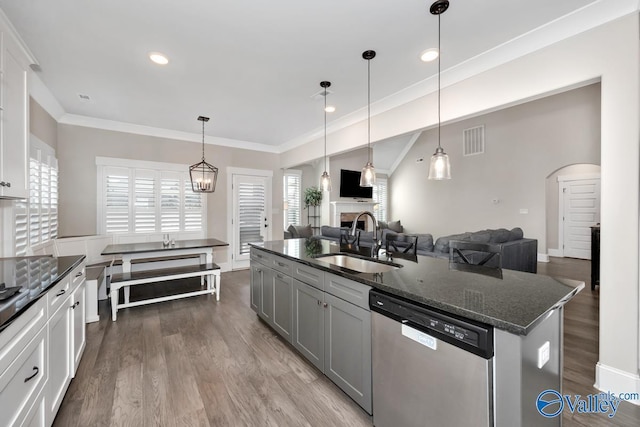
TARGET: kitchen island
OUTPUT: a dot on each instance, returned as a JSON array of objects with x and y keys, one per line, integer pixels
[{"x": 323, "y": 310}]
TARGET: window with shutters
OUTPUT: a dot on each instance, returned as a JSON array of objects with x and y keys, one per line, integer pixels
[
  {"x": 292, "y": 181},
  {"x": 36, "y": 219},
  {"x": 380, "y": 197},
  {"x": 147, "y": 197}
]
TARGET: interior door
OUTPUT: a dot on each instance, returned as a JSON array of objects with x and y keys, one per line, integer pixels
[
  {"x": 581, "y": 210},
  {"x": 251, "y": 218}
]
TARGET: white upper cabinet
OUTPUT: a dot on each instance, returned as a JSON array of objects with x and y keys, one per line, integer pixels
[{"x": 14, "y": 116}]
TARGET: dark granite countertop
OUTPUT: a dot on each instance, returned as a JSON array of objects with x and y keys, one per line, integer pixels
[
  {"x": 131, "y": 248},
  {"x": 35, "y": 276},
  {"x": 514, "y": 303}
]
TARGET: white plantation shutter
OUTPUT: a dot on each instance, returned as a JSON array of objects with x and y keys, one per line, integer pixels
[
  {"x": 144, "y": 206},
  {"x": 53, "y": 221},
  {"x": 170, "y": 204},
  {"x": 36, "y": 219},
  {"x": 116, "y": 203},
  {"x": 292, "y": 197},
  {"x": 34, "y": 201},
  {"x": 148, "y": 200},
  {"x": 251, "y": 202},
  {"x": 381, "y": 198},
  {"x": 193, "y": 209}
]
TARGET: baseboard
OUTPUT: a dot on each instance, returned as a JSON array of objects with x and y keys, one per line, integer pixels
[
  {"x": 555, "y": 252},
  {"x": 224, "y": 266},
  {"x": 91, "y": 319},
  {"x": 617, "y": 381},
  {"x": 543, "y": 257}
]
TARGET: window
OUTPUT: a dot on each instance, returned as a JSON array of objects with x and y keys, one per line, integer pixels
[
  {"x": 147, "y": 197},
  {"x": 380, "y": 197},
  {"x": 292, "y": 181},
  {"x": 36, "y": 219}
]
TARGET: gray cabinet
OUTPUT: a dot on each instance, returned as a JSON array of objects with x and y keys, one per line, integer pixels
[
  {"x": 308, "y": 322},
  {"x": 282, "y": 307},
  {"x": 347, "y": 348},
  {"x": 257, "y": 276},
  {"x": 324, "y": 316}
]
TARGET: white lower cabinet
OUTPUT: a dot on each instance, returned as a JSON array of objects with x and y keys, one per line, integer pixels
[
  {"x": 78, "y": 316},
  {"x": 23, "y": 381},
  {"x": 60, "y": 357},
  {"x": 37, "y": 416}
]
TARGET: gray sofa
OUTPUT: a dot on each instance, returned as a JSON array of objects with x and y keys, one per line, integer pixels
[{"x": 517, "y": 252}]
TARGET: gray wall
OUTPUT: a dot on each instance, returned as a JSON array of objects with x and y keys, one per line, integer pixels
[
  {"x": 42, "y": 125},
  {"x": 79, "y": 146},
  {"x": 524, "y": 145}
]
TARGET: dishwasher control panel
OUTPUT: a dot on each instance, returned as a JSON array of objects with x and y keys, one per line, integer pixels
[{"x": 475, "y": 337}]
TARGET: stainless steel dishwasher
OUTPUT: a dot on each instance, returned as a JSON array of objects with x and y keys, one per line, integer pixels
[{"x": 429, "y": 368}]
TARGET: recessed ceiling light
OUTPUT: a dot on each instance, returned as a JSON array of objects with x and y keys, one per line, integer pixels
[
  {"x": 158, "y": 58},
  {"x": 330, "y": 109},
  {"x": 429, "y": 55}
]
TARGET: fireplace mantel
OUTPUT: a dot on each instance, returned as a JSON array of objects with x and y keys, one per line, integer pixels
[{"x": 340, "y": 207}]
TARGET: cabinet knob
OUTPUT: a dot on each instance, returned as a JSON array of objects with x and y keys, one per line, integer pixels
[
  {"x": 2, "y": 184},
  {"x": 7, "y": 184},
  {"x": 77, "y": 303},
  {"x": 79, "y": 274},
  {"x": 62, "y": 292},
  {"x": 325, "y": 305},
  {"x": 37, "y": 371}
]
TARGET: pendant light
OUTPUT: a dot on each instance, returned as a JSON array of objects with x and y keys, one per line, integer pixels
[
  {"x": 325, "y": 179},
  {"x": 203, "y": 175},
  {"x": 440, "y": 168},
  {"x": 368, "y": 175}
]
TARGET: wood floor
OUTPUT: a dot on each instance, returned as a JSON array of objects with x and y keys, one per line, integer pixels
[{"x": 198, "y": 362}]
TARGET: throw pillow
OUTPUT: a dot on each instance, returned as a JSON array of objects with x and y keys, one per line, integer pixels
[
  {"x": 383, "y": 225},
  {"x": 516, "y": 234},
  {"x": 303, "y": 230},
  {"x": 396, "y": 226},
  {"x": 292, "y": 232},
  {"x": 500, "y": 235}
]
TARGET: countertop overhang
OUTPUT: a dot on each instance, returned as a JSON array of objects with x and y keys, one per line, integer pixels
[{"x": 516, "y": 303}]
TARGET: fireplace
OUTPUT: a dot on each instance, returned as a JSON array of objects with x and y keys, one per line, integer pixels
[
  {"x": 360, "y": 225},
  {"x": 347, "y": 211}
]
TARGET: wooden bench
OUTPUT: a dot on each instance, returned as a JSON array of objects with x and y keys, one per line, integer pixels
[{"x": 210, "y": 272}]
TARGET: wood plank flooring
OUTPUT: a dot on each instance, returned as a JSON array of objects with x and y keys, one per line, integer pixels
[{"x": 198, "y": 362}]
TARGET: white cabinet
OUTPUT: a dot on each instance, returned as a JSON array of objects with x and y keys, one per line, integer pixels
[
  {"x": 23, "y": 381},
  {"x": 14, "y": 119},
  {"x": 78, "y": 315},
  {"x": 60, "y": 356}
]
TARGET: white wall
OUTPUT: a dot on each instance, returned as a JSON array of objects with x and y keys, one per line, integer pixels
[
  {"x": 523, "y": 145},
  {"x": 609, "y": 53}
]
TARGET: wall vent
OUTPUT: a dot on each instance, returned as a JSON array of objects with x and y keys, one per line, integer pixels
[{"x": 473, "y": 141}]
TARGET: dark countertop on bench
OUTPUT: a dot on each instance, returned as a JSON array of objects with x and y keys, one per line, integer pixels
[
  {"x": 35, "y": 276},
  {"x": 132, "y": 248},
  {"x": 514, "y": 303}
]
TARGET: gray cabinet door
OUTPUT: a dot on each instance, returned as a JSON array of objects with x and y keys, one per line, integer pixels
[
  {"x": 266, "y": 296},
  {"x": 282, "y": 304},
  {"x": 347, "y": 349},
  {"x": 308, "y": 322},
  {"x": 255, "y": 289}
]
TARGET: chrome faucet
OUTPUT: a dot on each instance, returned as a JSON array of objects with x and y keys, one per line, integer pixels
[{"x": 377, "y": 244}]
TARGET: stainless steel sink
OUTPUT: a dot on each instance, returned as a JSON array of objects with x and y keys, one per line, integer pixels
[{"x": 358, "y": 264}]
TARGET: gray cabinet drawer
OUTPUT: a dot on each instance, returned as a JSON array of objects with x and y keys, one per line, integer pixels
[
  {"x": 282, "y": 265},
  {"x": 260, "y": 256},
  {"x": 348, "y": 290},
  {"x": 309, "y": 275}
]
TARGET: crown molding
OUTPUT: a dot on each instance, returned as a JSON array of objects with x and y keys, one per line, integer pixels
[
  {"x": 4, "y": 21},
  {"x": 43, "y": 96},
  {"x": 112, "y": 125},
  {"x": 590, "y": 16}
]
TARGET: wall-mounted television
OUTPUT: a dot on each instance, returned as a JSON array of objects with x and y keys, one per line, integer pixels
[{"x": 350, "y": 185}]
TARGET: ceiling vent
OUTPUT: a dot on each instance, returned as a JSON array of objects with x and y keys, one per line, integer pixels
[{"x": 473, "y": 141}]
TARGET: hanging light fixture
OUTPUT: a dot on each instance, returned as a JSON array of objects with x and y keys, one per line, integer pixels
[
  {"x": 440, "y": 167},
  {"x": 325, "y": 179},
  {"x": 203, "y": 175},
  {"x": 368, "y": 175}
]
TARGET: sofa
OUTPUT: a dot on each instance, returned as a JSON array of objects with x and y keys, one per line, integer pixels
[
  {"x": 517, "y": 252},
  {"x": 298, "y": 231}
]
